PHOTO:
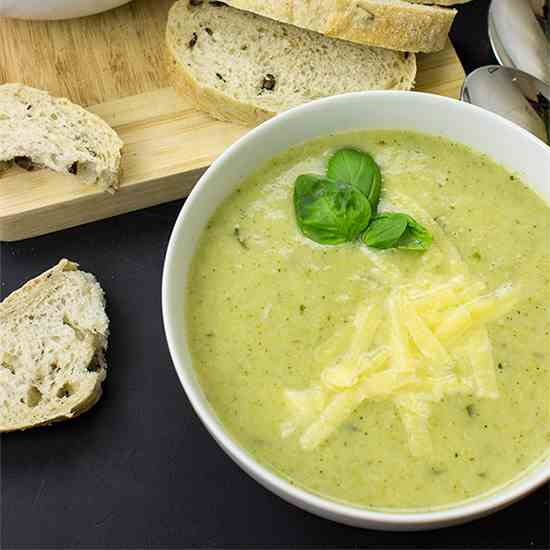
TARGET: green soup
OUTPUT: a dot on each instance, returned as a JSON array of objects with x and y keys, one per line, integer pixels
[{"x": 265, "y": 305}]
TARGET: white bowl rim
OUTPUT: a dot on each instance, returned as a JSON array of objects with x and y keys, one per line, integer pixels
[{"x": 346, "y": 513}]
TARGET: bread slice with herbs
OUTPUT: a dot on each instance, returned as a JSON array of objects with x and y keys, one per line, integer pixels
[
  {"x": 393, "y": 24},
  {"x": 53, "y": 335},
  {"x": 38, "y": 130},
  {"x": 245, "y": 68}
]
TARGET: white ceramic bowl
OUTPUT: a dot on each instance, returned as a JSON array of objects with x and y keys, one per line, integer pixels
[
  {"x": 55, "y": 9},
  {"x": 503, "y": 141}
]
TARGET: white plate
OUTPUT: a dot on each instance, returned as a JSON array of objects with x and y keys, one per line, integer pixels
[
  {"x": 486, "y": 132},
  {"x": 55, "y": 9}
]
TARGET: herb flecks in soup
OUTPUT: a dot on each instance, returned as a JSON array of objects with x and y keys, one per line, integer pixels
[{"x": 381, "y": 377}]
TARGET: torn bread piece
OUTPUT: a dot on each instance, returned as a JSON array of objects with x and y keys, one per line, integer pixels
[
  {"x": 41, "y": 131},
  {"x": 53, "y": 335}
]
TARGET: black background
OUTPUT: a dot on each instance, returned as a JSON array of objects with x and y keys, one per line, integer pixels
[{"x": 139, "y": 470}]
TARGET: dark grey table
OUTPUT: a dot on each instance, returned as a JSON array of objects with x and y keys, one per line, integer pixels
[{"x": 139, "y": 470}]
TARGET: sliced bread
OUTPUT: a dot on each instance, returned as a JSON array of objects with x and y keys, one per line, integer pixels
[
  {"x": 394, "y": 24},
  {"x": 38, "y": 130},
  {"x": 53, "y": 334},
  {"x": 245, "y": 68}
]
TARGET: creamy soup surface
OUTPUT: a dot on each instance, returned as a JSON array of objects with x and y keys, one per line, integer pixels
[{"x": 271, "y": 312}]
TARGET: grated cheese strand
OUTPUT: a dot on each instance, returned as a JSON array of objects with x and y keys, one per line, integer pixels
[
  {"x": 439, "y": 297},
  {"x": 401, "y": 357},
  {"x": 347, "y": 374},
  {"x": 476, "y": 313},
  {"x": 480, "y": 352},
  {"x": 349, "y": 366},
  {"x": 415, "y": 414},
  {"x": 424, "y": 339},
  {"x": 343, "y": 404},
  {"x": 304, "y": 405}
]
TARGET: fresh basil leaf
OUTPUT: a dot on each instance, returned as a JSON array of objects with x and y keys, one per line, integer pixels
[
  {"x": 359, "y": 169},
  {"x": 396, "y": 230},
  {"x": 386, "y": 230},
  {"x": 330, "y": 212},
  {"x": 416, "y": 237}
]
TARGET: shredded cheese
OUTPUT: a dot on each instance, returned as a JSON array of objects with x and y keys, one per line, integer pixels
[
  {"x": 304, "y": 406},
  {"x": 343, "y": 404},
  {"x": 401, "y": 357},
  {"x": 438, "y": 345},
  {"x": 346, "y": 374},
  {"x": 428, "y": 345},
  {"x": 477, "y": 312},
  {"x": 440, "y": 297},
  {"x": 415, "y": 415},
  {"x": 480, "y": 352},
  {"x": 350, "y": 365}
]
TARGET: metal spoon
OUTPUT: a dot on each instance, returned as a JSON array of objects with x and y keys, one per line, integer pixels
[
  {"x": 514, "y": 94},
  {"x": 519, "y": 31}
]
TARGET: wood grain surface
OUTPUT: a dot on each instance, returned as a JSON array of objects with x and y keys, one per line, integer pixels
[
  {"x": 90, "y": 60},
  {"x": 114, "y": 62}
]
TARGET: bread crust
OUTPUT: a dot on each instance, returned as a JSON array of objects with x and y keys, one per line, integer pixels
[
  {"x": 85, "y": 406},
  {"x": 401, "y": 25}
]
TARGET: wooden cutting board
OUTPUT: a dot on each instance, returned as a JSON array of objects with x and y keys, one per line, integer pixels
[{"x": 113, "y": 63}]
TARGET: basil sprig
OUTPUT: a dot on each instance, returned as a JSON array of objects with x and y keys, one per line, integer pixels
[
  {"x": 339, "y": 207},
  {"x": 330, "y": 212},
  {"x": 395, "y": 230},
  {"x": 359, "y": 169}
]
